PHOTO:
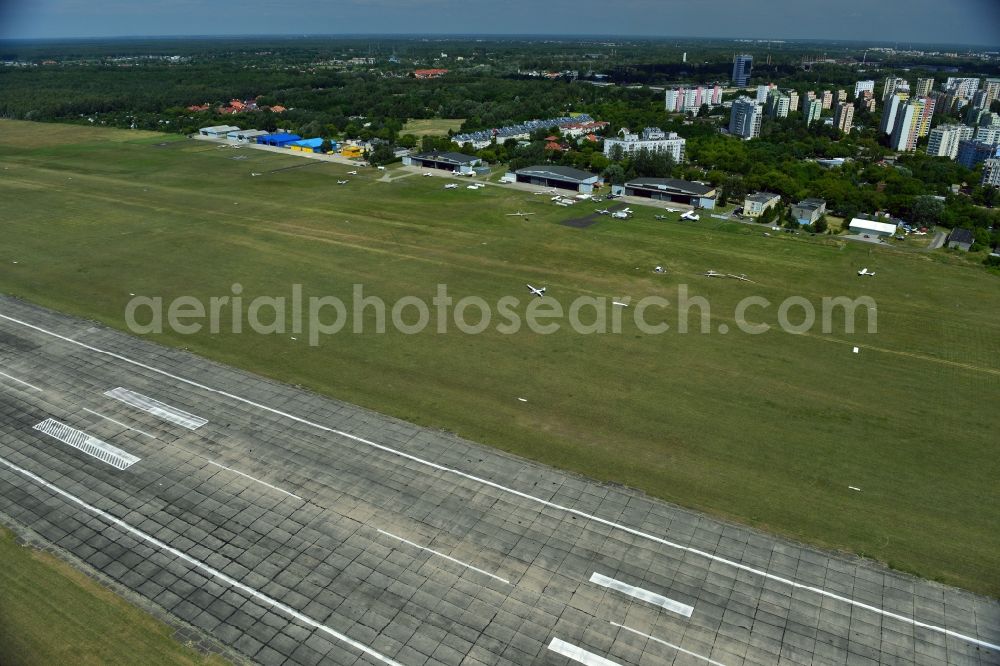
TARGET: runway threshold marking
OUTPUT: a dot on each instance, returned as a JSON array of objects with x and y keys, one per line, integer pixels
[
  {"x": 669, "y": 645},
  {"x": 157, "y": 408},
  {"x": 447, "y": 557},
  {"x": 517, "y": 493},
  {"x": 215, "y": 573},
  {"x": 88, "y": 444},
  {"x": 578, "y": 654},
  {"x": 642, "y": 594},
  {"x": 127, "y": 427},
  {"x": 20, "y": 381},
  {"x": 263, "y": 483}
]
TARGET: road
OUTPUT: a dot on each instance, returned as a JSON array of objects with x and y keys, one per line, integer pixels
[{"x": 298, "y": 529}]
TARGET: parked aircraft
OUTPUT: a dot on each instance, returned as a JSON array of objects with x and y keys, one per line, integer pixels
[
  {"x": 691, "y": 215},
  {"x": 603, "y": 211},
  {"x": 352, "y": 173},
  {"x": 519, "y": 214},
  {"x": 711, "y": 273},
  {"x": 865, "y": 271},
  {"x": 535, "y": 291},
  {"x": 451, "y": 186},
  {"x": 622, "y": 214},
  {"x": 343, "y": 182}
]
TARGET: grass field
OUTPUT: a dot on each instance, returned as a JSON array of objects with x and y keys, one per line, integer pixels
[
  {"x": 432, "y": 126},
  {"x": 43, "y": 598},
  {"x": 769, "y": 430}
]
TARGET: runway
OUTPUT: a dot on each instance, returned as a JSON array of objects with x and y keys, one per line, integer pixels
[{"x": 297, "y": 529}]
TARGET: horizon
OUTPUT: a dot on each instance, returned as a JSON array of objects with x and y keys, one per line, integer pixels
[{"x": 913, "y": 21}]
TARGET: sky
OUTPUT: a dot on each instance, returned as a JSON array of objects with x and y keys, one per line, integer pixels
[{"x": 888, "y": 21}]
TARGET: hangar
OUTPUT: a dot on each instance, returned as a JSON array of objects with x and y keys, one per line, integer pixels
[
  {"x": 245, "y": 136},
  {"x": 861, "y": 226},
  {"x": 280, "y": 139},
  {"x": 449, "y": 161},
  {"x": 314, "y": 145},
  {"x": 675, "y": 190},
  {"x": 565, "y": 178},
  {"x": 218, "y": 131}
]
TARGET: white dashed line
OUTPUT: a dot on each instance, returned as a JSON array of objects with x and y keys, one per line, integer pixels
[
  {"x": 439, "y": 554},
  {"x": 288, "y": 610},
  {"x": 127, "y": 427},
  {"x": 669, "y": 645},
  {"x": 517, "y": 493},
  {"x": 20, "y": 381},
  {"x": 263, "y": 483}
]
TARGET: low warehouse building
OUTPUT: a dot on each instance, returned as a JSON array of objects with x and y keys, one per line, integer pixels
[
  {"x": 674, "y": 190},
  {"x": 279, "y": 139},
  {"x": 869, "y": 227},
  {"x": 449, "y": 161},
  {"x": 218, "y": 131},
  {"x": 562, "y": 177},
  {"x": 961, "y": 239}
]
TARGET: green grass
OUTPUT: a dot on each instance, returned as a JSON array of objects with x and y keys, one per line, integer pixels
[
  {"x": 769, "y": 430},
  {"x": 52, "y": 614},
  {"x": 431, "y": 126}
]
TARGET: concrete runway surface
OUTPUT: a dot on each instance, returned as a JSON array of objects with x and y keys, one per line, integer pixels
[{"x": 297, "y": 529}]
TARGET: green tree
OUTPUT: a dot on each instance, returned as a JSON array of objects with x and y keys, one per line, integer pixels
[
  {"x": 821, "y": 225},
  {"x": 615, "y": 174}
]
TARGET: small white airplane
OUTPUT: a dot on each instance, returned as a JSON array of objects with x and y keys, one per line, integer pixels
[
  {"x": 519, "y": 214},
  {"x": 352, "y": 173},
  {"x": 622, "y": 214},
  {"x": 428, "y": 173},
  {"x": 741, "y": 276},
  {"x": 535, "y": 291},
  {"x": 660, "y": 217},
  {"x": 342, "y": 182},
  {"x": 603, "y": 211},
  {"x": 451, "y": 186},
  {"x": 253, "y": 173},
  {"x": 865, "y": 271},
  {"x": 381, "y": 168},
  {"x": 658, "y": 269},
  {"x": 672, "y": 210},
  {"x": 711, "y": 273},
  {"x": 551, "y": 190},
  {"x": 472, "y": 187},
  {"x": 691, "y": 215}
]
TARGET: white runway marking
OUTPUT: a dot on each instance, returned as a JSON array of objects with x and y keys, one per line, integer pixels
[
  {"x": 128, "y": 427},
  {"x": 263, "y": 483},
  {"x": 450, "y": 559},
  {"x": 88, "y": 444},
  {"x": 578, "y": 654},
  {"x": 20, "y": 381},
  {"x": 517, "y": 493},
  {"x": 157, "y": 408},
  {"x": 670, "y": 645},
  {"x": 305, "y": 619},
  {"x": 641, "y": 594}
]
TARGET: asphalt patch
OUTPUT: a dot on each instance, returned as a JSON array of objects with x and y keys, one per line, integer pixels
[{"x": 589, "y": 220}]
